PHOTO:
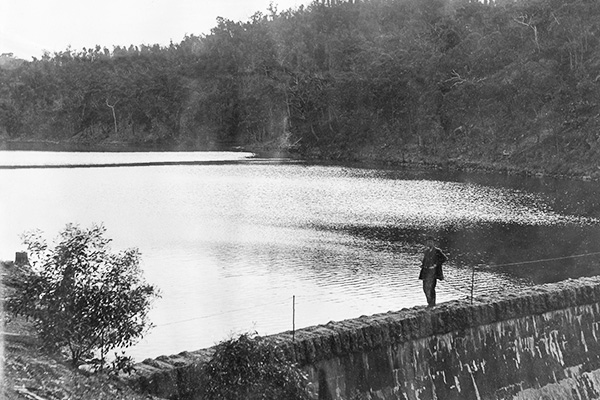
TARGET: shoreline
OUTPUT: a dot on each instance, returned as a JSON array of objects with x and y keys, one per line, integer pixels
[
  {"x": 382, "y": 160},
  {"x": 461, "y": 166}
]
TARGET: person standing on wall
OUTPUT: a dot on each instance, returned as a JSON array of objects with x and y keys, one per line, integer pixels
[{"x": 431, "y": 269}]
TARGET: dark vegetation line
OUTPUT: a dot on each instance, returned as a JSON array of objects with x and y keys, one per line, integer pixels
[{"x": 495, "y": 83}]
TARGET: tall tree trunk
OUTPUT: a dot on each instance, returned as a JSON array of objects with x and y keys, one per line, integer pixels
[{"x": 113, "y": 113}]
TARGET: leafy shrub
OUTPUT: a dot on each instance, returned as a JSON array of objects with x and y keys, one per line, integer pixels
[
  {"x": 121, "y": 363},
  {"x": 251, "y": 367},
  {"x": 81, "y": 296}
]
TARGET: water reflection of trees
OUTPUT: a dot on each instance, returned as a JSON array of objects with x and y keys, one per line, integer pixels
[{"x": 538, "y": 254}]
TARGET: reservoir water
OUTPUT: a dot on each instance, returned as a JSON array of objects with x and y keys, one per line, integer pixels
[{"x": 230, "y": 239}]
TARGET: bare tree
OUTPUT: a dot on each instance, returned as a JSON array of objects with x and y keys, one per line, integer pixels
[
  {"x": 113, "y": 113},
  {"x": 527, "y": 21}
]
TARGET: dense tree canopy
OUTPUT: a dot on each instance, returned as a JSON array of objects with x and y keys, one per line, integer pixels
[{"x": 443, "y": 79}]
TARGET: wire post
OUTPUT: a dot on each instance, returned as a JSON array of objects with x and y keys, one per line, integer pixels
[
  {"x": 472, "y": 282},
  {"x": 293, "y": 317}
]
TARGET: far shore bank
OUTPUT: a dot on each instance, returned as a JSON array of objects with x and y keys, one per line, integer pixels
[
  {"x": 460, "y": 165},
  {"x": 385, "y": 159}
]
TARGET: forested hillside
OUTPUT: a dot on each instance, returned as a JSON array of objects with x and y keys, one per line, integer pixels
[{"x": 516, "y": 83}]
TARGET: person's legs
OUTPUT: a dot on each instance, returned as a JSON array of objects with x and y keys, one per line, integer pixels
[{"x": 429, "y": 289}]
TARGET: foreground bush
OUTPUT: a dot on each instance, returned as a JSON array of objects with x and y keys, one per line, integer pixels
[
  {"x": 82, "y": 297},
  {"x": 250, "y": 367}
]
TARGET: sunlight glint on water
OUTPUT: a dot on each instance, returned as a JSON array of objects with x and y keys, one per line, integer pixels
[{"x": 229, "y": 245}]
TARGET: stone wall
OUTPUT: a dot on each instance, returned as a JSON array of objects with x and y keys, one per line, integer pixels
[{"x": 539, "y": 343}]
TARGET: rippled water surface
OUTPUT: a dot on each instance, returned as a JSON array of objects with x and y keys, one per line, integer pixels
[{"x": 230, "y": 244}]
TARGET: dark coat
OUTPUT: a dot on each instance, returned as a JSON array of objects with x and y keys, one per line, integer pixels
[{"x": 433, "y": 257}]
